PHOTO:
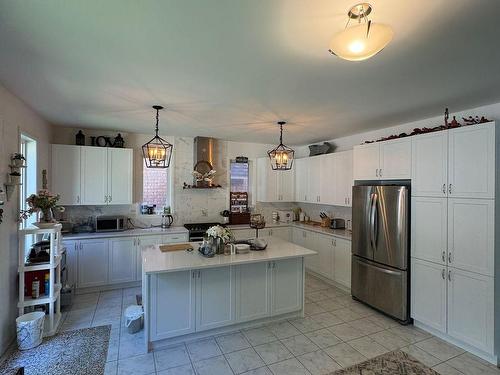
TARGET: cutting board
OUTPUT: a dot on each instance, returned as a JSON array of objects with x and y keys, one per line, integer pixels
[{"x": 175, "y": 247}]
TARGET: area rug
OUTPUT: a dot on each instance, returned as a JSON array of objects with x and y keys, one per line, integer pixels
[
  {"x": 393, "y": 363},
  {"x": 80, "y": 352}
]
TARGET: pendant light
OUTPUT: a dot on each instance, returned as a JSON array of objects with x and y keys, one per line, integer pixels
[
  {"x": 157, "y": 152},
  {"x": 282, "y": 156},
  {"x": 362, "y": 41}
]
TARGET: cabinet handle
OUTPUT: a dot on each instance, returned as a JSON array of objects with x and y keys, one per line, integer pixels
[
  {"x": 348, "y": 200},
  {"x": 274, "y": 265},
  {"x": 138, "y": 242},
  {"x": 199, "y": 274},
  {"x": 81, "y": 246},
  {"x": 305, "y": 197},
  {"x": 444, "y": 188},
  {"x": 443, "y": 256},
  {"x": 443, "y": 274},
  {"x": 194, "y": 272},
  {"x": 110, "y": 198},
  {"x": 77, "y": 199},
  {"x": 135, "y": 242},
  {"x": 449, "y": 275},
  {"x": 380, "y": 172},
  {"x": 449, "y": 189},
  {"x": 449, "y": 257},
  {"x": 376, "y": 172}
]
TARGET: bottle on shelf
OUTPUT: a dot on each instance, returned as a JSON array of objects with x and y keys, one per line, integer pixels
[
  {"x": 35, "y": 288},
  {"x": 46, "y": 284}
]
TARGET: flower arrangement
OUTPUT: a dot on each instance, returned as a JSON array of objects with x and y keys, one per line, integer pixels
[
  {"x": 220, "y": 232},
  {"x": 42, "y": 202}
]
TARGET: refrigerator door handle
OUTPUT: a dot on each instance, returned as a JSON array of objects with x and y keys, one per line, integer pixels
[{"x": 373, "y": 221}]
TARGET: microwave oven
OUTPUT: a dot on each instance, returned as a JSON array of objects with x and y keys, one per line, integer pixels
[{"x": 110, "y": 223}]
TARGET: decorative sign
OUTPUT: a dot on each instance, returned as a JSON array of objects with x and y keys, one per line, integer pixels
[{"x": 101, "y": 141}]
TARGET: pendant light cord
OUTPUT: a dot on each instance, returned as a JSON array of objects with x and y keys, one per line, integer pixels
[
  {"x": 157, "y": 120},
  {"x": 281, "y": 134}
]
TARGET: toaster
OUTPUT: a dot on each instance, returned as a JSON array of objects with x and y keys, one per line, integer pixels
[{"x": 337, "y": 224}]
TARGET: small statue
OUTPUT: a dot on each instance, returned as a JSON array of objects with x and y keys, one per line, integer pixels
[
  {"x": 446, "y": 117},
  {"x": 454, "y": 123}
]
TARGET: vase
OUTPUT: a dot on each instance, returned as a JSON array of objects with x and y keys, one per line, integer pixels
[
  {"x": 217, "y": 244},
  {"x": 45, "y": 219}
]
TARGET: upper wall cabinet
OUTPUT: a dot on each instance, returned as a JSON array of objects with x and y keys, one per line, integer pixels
[
  {"x": 459, "y": 163},
  {"x": 388, "y": 160},
  {"x": 92, "y": 175},
  {"x": 274, "y": 186}
]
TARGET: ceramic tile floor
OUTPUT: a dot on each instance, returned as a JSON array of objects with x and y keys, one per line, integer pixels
[{"x": 336, "y": 332}]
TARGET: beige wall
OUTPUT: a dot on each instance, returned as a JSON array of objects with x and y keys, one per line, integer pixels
[{"x": 15, "y": 117}]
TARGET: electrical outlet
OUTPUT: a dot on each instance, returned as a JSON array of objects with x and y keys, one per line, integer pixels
[{"x": 204, "y": 212}]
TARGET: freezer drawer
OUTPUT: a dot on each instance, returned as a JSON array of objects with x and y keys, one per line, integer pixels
[{"x": 382, "y": 287}]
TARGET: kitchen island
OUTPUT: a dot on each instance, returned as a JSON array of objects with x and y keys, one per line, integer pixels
[{"x": 186, "y": 295}]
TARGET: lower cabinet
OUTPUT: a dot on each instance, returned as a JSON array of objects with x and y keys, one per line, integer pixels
[
  {"x": 122, "y": 260},
  {"x": 198, "y": 300},
  {"x": 324, "y": 260},
  {"x": 455, "y": 302},
  {"x": 93, "y": 263},
  {"x": 243, "y": 234},
  {"x": 342, "y": 262},
  {"x": 144, "y": 241}
]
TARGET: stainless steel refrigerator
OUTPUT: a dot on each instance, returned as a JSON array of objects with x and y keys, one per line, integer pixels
[{"x": 380, "y": 248}]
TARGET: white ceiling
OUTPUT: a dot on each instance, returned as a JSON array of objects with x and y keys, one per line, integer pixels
[{"x": 231, "y": 68}]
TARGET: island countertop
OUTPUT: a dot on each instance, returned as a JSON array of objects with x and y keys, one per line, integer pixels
[{"x": 156, "y": 261}]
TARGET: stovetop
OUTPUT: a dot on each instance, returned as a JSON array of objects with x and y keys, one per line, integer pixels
[{"x": 199, "y": 227}]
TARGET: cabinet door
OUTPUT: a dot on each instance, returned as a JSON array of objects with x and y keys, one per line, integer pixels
[
  {"x": 366, "y": 161},
  {"x": 325, "y": 256},
  {"x": 66, "y": 173},
  {"x": 298, "y": 237},
  {"x": 141, "y": 242},
  {"x": 429, "y": 229},
  {"x": 428, "y": 294},
  {"x": 93, "y": 263},
  {"x": 120, "y": 161},
  {"x": 215, "y": 293},
  {"x": 343, "y": 178},
  {"x": 253, "y": 291},
  {"x": 311, "y": 242},
  {"x": 471, "y": 163},
  {"x": 285, "y": 185},
  {"x": 471, "y": 238},
  {"x": 342, "y": 262},
  {"x": 429, "y": 161},
  {"x": 283, "y": 233},
  {"x": 329, "y": 184},
  {"x": 287, "y": 286},
  {"x": 470, "y": 309},
  {"x": 122, "y": 260},
  {"x": 172, "y": 304},
  {"x": 71, "y": 262},
  {"x": 395, "y": 159},
  {"x": 301, "y": 178},
  {"x": 266, "y": 181},
  {"x": 94, "y": 175},
  {"x": 314, "y": 179}
]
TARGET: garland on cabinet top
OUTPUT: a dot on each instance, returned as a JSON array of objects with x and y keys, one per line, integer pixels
[{"x": 447, "y": 125}]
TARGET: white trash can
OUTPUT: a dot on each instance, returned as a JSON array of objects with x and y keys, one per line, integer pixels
[
  {"x": 30, "y": 330},
  {"x": 133, "y": 318}
]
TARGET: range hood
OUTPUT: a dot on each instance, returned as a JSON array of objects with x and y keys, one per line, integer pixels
[{"x": 207, "y": 156}]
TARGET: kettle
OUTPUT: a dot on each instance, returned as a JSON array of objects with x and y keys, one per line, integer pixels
[{"x": 166, "y": 221}]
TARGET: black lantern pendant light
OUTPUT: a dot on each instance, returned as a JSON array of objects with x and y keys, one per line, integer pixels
[
  {"x": 282, "y": 156},
  {"x": 157, "y": 152}
]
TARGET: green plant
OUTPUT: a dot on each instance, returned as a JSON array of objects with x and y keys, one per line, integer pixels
[
  {"x": 42, "y": 201},
  {"x": 18, "y": 156}
]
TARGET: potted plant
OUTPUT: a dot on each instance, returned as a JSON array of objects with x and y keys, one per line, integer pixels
[
  {"x": 219, "y": 236},
  {"x": 42, "y": 203},
  {"x": 18, "y": 160},
  {"x": 15, "y": 178}
]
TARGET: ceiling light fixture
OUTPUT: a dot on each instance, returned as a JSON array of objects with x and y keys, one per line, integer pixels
[
  {"x": 157, "y": 152},
  {"x": 282, "y": 156},
  {"x": 362, "y": 41}
]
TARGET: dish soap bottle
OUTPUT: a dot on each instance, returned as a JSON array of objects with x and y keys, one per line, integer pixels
[
  {"x": 35, "y": 288},
  {"x": 46, "y": 284}
]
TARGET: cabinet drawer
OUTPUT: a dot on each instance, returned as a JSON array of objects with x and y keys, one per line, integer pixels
[{"x": 173, "y": 238}]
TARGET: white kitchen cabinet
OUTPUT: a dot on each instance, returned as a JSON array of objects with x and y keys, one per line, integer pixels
[
  {"x": 253, "y": 291},
  {"x": 343, "y": 181},
  {"x": 395, "y": 159},
  {"x": 244, "y": 234},
  {"x": 428, "y": 294},
  {"x": 430, "y": 164},
  {"x": 366, "y": 161},
  {"x": 122, "y": 260},
  {"x": 429, "y": 229},
  {"x": 283, "y": 233},
  {"x": 329, "y": 183},
  {"x": 298, "y": 237},
  {"x": 215, "y": 298},
  {"x": 285, "y": 185},
  {"x": 141, "y": 242},
  {"x": 94, "y": 175},
  {"x": 471, "y": 163},
  {"x": 287, "y": 288},
  {"x": 310, "y": 241},
  {"x": 313, "y": 194},
  {"x": 93, "y": 262},
  {"x": 325, "y": 249},
  {"x": 471, "y": 237},
  {"x": 119, "y": 189},
  {"x": 274, "y": 186},
  {"x": 66, "y": 174},
  {"x": 301, "y": 179},
  {"x": 470, "y": 308},
  {"x": 342, "y": 262},
  {"x": 71, "y": 261},
  {"x": 173, "y": 304}
]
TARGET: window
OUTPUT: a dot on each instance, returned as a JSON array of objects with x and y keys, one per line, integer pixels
[
  {"x": 155, "y": 186},
  {"x": 27, "y": 147},
  {"x": 239, "y": 177}
]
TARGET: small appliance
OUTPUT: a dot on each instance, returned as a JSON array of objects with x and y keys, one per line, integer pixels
[
  {"x": 286, "y": 216},
  {"x": 110, "y": 223},
  {"x": 337, "y": 224},
  {"x": 166, "y": 221}
]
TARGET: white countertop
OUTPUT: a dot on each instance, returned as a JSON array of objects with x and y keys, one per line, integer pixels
[
  {"x": 154, "y": 261},
  {"x": 126, "y": 233}
]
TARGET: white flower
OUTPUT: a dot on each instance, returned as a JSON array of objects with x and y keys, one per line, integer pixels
[{"x": 219, "y": 232}]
